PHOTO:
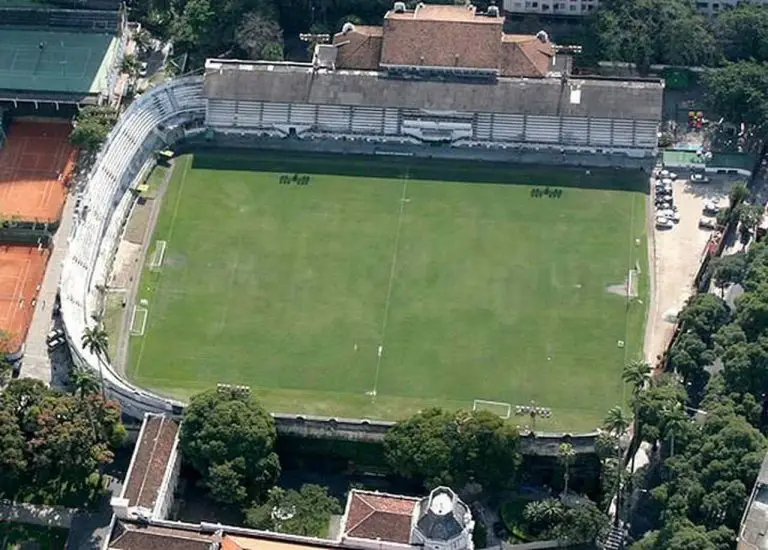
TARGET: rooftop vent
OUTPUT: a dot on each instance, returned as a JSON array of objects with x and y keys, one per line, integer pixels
[
  {"x": 347, "y": 28},
  {"x": 543, "y": 36},
  {"x": 399, "y": 7},
  {"x": 493, "y": 11}
]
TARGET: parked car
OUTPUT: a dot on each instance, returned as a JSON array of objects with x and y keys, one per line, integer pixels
[
  {"x": 667, "y": 181},
  {"x": 670, "y": 214},
  {"x": 707, "y": 223},
  {"x": 662, "y": 222},
  {"x": 664, "y": 173},
  {"x": 699, "y": 178},
  {"x": 711, "y": 208}
]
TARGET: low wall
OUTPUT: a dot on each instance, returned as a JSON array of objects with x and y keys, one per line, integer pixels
[{"x": 373, "y": 431}]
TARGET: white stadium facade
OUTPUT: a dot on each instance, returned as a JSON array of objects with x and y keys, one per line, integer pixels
[{"x": 462, "y": 89}]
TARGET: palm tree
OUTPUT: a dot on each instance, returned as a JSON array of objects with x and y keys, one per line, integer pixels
[
  {"x": 617, "y": 422},
  {"x": 636, "y": 374},
  {"x": 566, "y": 457},
  {"x": 674, "y": 426},
  {"x": 83, "y": 383},
  {"x": 95, "y": 340},
  {"x": 540, "y": 515}
]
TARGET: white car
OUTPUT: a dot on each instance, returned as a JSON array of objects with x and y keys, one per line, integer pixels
[
  {"x": 707, "y": 223},
  {"x": 143, "y": 68},
  {"x": 662, "y": 222},
  {"x": 666, "y": 181},
  {"x": 711, "y": 208},
  {"x": 670, "y": 214},
  {"x": 699, "y": 178},
  {"x": 672, "y": 176},
  {"x": 664, "y": 173}
]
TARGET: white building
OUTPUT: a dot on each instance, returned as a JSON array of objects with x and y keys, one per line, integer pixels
[{"x": 582, "y": 7}]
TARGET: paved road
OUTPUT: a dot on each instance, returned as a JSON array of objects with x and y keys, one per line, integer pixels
[{"x": 37, "y": 362}]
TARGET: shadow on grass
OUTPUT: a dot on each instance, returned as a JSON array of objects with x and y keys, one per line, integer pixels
[{"x": 423, "y": 169}]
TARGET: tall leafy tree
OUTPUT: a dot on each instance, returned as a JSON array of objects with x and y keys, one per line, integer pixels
[
  {"x": 304, "y": 512},
  {"x": 437, "y": 447},
  {"x": 229, "y": 438},
  {"x": 260, "y": 37},
  {"x": 743, "y": 32},
  {"x": 739, "y": 93}
]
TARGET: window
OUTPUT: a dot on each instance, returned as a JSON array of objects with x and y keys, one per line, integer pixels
[
  {"x": 590, "y": 7},
  {"x": 545, "y": 7},
  {"x": 701, "y": 5},
  {"x": 535, "y": 4},
  {"x": 573, "y": 8}
]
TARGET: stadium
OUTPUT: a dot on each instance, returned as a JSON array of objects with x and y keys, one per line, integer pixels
[{"x": 455, "y": 248}]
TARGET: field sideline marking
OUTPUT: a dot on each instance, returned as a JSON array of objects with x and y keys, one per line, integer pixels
[
  {"x": 391, "y": 284},
  {"x": 626, "y": 311},
  {"x": 160, "y": 274}
]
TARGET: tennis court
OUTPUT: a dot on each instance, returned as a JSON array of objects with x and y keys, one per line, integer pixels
[
  {"x": 21, "y": 271},
  {"x": 35, "y": 166},
  {"x": 63, "y": 62}
]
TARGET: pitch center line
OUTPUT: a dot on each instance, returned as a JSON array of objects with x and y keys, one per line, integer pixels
[{"x": 391, "y": 283}]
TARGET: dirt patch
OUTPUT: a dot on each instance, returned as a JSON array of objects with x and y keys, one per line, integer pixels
[
  {"x": 628, "y": 288},
  {"x": 136, "y": 229},
  {"x": 126, "y": 265}
]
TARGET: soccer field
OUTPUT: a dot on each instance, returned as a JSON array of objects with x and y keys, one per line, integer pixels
[{"x": 385, "y": 285}]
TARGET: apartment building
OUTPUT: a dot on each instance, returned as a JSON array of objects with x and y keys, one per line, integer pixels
[{"x": 582, "y": 7}]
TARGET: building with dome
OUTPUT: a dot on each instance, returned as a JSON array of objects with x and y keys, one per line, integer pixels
[{"x": 439, "y": 521}]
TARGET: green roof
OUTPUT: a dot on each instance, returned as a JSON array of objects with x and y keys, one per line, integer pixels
[
  {"x": 62, "y": 62},
  {"x": 743, "y": 161}
]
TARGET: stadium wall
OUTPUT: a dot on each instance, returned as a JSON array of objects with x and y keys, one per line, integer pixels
[{"x": 160, "y": 118}]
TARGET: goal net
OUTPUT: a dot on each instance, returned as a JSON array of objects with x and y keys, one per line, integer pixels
[
  {"x": 504, "y": 410},
  {"x": 158, "y": 254},
  {"x": 138, "y": 321}
]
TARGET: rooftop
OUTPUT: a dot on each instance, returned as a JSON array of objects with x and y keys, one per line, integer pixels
[
  {"x": 754, "y": 527},
  {"x": 299, "y": 83},
  {"x": 127, "y": 536},
  {"x": 431, "y": 12},
  {"x": 379, "y": 516},
  {"x": 150, "y": 461}
]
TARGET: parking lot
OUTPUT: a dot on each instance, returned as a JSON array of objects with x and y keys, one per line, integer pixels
[{"x": 676, "y": 248}]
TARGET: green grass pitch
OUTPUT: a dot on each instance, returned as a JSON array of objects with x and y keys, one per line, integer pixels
[{"x": 474, "y": 288}]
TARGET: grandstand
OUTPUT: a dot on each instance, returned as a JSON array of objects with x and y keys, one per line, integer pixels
[{"x": 513, "y": 97}]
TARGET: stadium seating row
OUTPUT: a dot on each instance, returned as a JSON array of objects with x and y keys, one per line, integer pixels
[
  {"x": 480, "y": 127},
  {"x": 144, "y": 127}
]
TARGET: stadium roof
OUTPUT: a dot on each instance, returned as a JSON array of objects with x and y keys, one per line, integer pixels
[{"x": 299, "y": 83}]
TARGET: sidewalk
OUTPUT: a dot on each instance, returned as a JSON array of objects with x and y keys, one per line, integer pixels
[
  {"x": 47, "y": 516},
  {"x": 36, "y": 362}
]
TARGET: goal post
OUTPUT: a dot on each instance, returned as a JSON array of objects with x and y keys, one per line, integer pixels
[
  {"x": 503, "y": 410},
  {"x": 138, "y": 321},
  {"x": 158, "y": 255}
]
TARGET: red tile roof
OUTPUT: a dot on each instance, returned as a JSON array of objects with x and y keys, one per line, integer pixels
[
  {"x": 379, "y": 517},
  {"x": 132, "y": 537},
  {"x": 152, "y": 454},
  {"x": 443, "y": 36}
]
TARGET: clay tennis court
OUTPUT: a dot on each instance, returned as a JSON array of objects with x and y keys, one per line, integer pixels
[
  {"x": 36, "y": 163},
  {"x": 21, "y": 270}
]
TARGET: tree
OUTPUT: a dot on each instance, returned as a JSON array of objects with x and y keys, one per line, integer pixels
[
  {"x": 728, "y": 269},
  {"x": 617, "y": 423},
  {"x": 82, "y": 382},
  {"x": 130, "y": 65},
  {"x": 6, "y": 368},
  {"x": 91, "y": 127},
  {"x": 143, "y": 39},
  {"x": 566, "y": 457},
  {"x": 743, "y": 32},
  {"x": 739, "y": 93},
  {"x": 94, "y": 340},
  {"x": 260, "y": 37},
  {"x": 437, "y": 447},
  {"x": 13, "y": 463},
  {"x": 541, "y": 516},
  {"x": 581, "y": 524},
  {"x": 749, "y": 216},
  {"x": 305, "y": 512},
  {"x": 228, "y": 438},
  {"x": 704, "y": 315},
  {"x": 636, "y": 373}
]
